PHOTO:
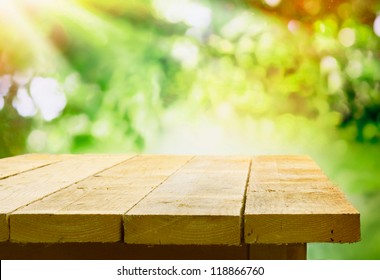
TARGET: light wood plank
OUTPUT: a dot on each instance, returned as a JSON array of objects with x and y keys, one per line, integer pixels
[
  {"x": 13, "y": 165},
  {"x": 27, "y": 187},
  {"x": 290, "y": 200},
  {"x": 200, "y": 204},
  {"x": 92, "y": 210}
]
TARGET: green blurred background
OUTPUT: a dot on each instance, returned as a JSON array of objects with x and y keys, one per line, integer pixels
[{"x": 205, "y": 77}]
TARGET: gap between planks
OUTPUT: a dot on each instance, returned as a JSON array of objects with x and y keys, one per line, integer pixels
[
  {"x": 97, "y": 215},
  {"x": 80, "y": 180},
  {"x": 93, "y": 221},
  {"x": 242, "y": 213},
  {"x": 27, "y": 162},
  {"x": 201, "y": 204},
  {"x": 156, "y": 188},
  {"x": 290, "y": 200},
  {"x": 28, "y": 187},
  {"x": 271, "y": 185}
]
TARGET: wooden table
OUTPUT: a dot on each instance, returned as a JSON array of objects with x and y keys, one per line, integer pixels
[{"x": 168, "y": 207}]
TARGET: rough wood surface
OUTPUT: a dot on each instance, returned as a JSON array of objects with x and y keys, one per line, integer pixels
[
  {"x": 14, "y": 165},
  {"x": 172, "y": 200},
  {"x": 201, "y": 204},
  {"x": 290, "y": 200},
  {"x": 91, "y": 210},
  {"x": 27, "y": 187}
]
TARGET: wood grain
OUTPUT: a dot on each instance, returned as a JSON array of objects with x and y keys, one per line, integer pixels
[
  {"x": 201, "y": 204},
  {"x": 173, "y": 200},
  {"x": 27, "y": 187},
  {"x": 13, "y": 165},
  {"x": 92, "y": 209},
  {"x": 290, "y": 200}
]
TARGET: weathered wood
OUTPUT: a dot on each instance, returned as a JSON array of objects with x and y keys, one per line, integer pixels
[
  {"x": 176, "y": 202},
  {"x": 201, "y": 204},
  {"x": 91, "y": 210},
  {"x": 27, "y": 187},
  {"x": 290, "y": 200},
  {"x": 277, "y": 251},
  {"x": 17, "y": 164}
]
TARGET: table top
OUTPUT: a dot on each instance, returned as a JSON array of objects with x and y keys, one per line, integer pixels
[{"x": 171, "y": 199}]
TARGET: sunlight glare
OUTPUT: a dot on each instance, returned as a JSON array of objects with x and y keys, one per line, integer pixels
[
  {"x": 37, "y": 140},
  {"x": 186, "y": 52},
  {"x": 190, "y": 12},
  {"x": 243, "y": 23},
  {"x": 225, "y": 111},
  {"x": 22, "y": 78},
  {"x": 39, "y": 3},
  {"x": 272, "y": 3},
  {"x": 354, "y": 69},
  {"x": 328, "y": 64},
  {"x": 5, "y": 84},
  {"x": 376, "y": 26},
  {"x": 294, "y": 25},
  {"x": 335, "y": 81},
  {"x": 24, "y": 104},
  {"x": 347, "y": 37},
  {"x": 48, "y": 96}
]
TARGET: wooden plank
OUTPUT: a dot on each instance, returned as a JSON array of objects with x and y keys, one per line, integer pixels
[
  {"x": 13, "y": 165},
  {"x": 290, "y": 200},
  {"x": 277, "y": 251},
  {"x": 200, "y": 204},
  {"x": 27, "y": 187},
  {"x": 91, "y": 210}
]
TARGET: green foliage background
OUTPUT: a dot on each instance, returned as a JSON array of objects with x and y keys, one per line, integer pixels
[{"x": 236, "y": 77}]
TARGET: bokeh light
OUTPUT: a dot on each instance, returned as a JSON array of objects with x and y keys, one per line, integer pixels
[
  {"x": 272, "y": 3},
  {"x": 347, "y": 37},
  {"x": 192, "y": 13},
  {"x": 376, "y": 26}
]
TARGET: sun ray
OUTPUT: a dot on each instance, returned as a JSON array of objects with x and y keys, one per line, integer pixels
[
  {"x": 24, "y": 38},
  {"x": 26, "y": 28}
]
